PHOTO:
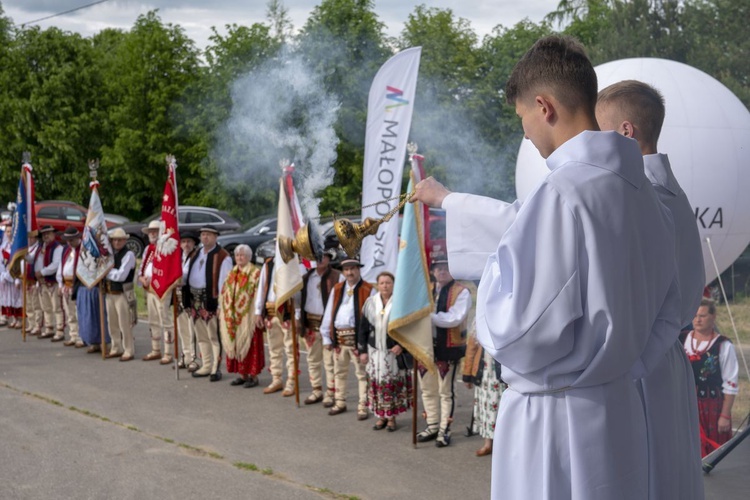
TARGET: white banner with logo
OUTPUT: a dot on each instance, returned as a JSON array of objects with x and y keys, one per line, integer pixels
[{"x": 389, "y": 112}]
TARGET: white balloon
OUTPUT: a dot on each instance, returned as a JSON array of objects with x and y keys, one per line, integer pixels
[{"x": 706, "y": 134}]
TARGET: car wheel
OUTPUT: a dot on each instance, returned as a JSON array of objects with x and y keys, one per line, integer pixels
[{"x": 135, "y": 245}]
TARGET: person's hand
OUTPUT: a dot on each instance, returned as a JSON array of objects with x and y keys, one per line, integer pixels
[
  {"x": 329, "y": 347},
  {"x": 259, "y": 322},
  {"x": 363, "y": 358},
  {"x": 285, "y": 324},
  {"x": 397, "y": 350},
  {"x": 430, "y": 192},
  {"x": 469, "y": 385},
  {"x": 268, "y": 322},
  {"x": 725, "y": 424},
  {"x": 39, "y": 275}
]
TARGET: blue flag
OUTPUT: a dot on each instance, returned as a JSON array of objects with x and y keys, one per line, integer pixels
[
  {"x": 24, "y": 221},
  {"x": 410, "y": 323}
]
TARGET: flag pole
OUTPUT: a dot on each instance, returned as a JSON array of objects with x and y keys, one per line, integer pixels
[
  {"x": 176, "y": 335},
  {"x": 23, "y": 315},
  {"x": 101, "y": 320},
  {"x": 414, "y": 405},
  {"x": 295, "y": 348}
]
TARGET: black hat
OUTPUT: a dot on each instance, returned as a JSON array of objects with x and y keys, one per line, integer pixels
[
  {"x": 70, "y": 233},
  {"x": 438, "y": 257},
  {"x": 208, "y": 228},
  {"x": 46, "y": 229},
  {"x": 188, "y": 233},
  {"x": 350, "y": 261}
]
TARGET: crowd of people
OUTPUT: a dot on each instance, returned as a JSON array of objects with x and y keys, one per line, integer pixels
[{"x": 585, "y": 287}]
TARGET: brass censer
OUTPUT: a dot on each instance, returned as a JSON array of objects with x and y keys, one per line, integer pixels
[
  {"x": 305, "y": 243},
  {"x": 351, "y": 235}
]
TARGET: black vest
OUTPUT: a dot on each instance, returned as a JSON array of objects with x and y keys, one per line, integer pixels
[
  {"x": 440, "y": 342},
  {"x": 212, "y": 303},
  {"x": 116, "y": 286}
]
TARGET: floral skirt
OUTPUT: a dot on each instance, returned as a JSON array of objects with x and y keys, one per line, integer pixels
[
  {"x": 486, "y": 400},
  {"x": 389, "y": 390},
  {"x": 709, "y": 410}
]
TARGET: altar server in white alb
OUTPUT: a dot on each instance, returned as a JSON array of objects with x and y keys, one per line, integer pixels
[
  {"x": 636, "y": 110},
  {"x": 563, "y": 304}
]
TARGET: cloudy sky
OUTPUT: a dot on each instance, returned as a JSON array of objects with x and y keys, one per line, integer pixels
[{"x": 197, "y": 16}]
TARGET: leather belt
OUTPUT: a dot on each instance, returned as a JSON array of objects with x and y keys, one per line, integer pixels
[
  {"x": 68, "y": 282},
  {"x": 313, "y": 321},
  {"x": 346, "y": 337},
  {"x": 270, "y": 309}
]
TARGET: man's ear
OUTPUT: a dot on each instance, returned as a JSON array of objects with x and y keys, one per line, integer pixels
[
  {"x": 545, "y": 106},
  {"x": 627, "y": 129}
]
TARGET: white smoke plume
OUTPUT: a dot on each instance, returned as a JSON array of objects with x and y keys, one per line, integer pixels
[{"x": 280, "y": 110}]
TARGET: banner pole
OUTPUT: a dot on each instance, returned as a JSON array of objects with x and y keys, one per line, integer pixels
[
  {"x": 414, "y": 406},
  {"x": 176, "y": 333},
  {"x": 102, "y": 331},
  {"x": 295, "y": 347},
  {"x": 23, "y": 313}
]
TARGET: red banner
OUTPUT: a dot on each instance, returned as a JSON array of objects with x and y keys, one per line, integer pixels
[{"x": 167, "y": 271}]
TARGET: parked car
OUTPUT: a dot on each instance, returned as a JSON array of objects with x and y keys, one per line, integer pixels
[
  {"x": 253, "y": 233},
  {"x": 60, "y": 214},
  {"x": 189, "y": 218}
]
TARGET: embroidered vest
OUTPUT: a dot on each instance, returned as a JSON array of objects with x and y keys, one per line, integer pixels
[
  {"x": 362, "y": 291},
  {"x": 214, "y": 260},
  {"x": 117, "y": 286},
  {"x": 327, "y": 282},
  {"x": 449, "y": 343},
  {"x": 148, "y": 256},
  {"x": 707, "y": 370},
  {"x": 49, "y": 251}
]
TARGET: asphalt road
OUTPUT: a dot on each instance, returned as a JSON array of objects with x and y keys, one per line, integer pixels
[{"x": 74, "y": 426}]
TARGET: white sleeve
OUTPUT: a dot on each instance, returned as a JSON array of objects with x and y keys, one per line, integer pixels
[
  {"x": 58, "y": 274},
  {"x": 51, "y": 269},
  {"x": 127, "y": 264},
  {"x": 259, "y": 293},
  {"x": 457, "y": 314},
  {"x": 473, "y": 226},
  {"x": 226, "y": 267},
  {"x": 729, "y": 368},
  {"x": 325, "y": 324}
]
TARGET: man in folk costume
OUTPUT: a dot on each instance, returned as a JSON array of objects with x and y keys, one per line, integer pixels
[
  {"x": 189, "y": 245},
  {"x": 120, "y": 297},
  {"x": 206, "y": 273},
  {"x": 452, "y": 304},
  {"x": 68, "y": 283},
  {"x": 46, "y": 262},
  {"x": 278, "y": 331},
  {"x": 34, "y": 312},
  {"x": 317, "y": 285},
  {"x": 242, "y": 340},
  {"x": 338, "y": 330},
  {"x": 159, "y": 313}
]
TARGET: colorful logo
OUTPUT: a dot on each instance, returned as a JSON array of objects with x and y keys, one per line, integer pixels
[{"x": 396, "y": 96}]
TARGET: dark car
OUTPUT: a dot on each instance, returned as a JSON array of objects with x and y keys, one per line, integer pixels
[
  {"x": 60, "y": 214},
  {"x": 189, "y": 218},
  {"x": 252, "y": 234}
]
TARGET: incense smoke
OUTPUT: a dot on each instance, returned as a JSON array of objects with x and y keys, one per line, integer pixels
[{"x": 281, "y": 111}]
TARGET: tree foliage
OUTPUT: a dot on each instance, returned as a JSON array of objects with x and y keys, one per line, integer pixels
[{"x": 131, "y": 97}]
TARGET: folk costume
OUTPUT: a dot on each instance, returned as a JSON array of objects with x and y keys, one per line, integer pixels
[
  {"x": 715, "y": 371},
  {"x": 46, "y": 262},
  {"x": 668, "y": 390},
  {"x": 315, "y": 291},
  {"x": 341, "y": 321},
  {"x": 68, "y": 284},
  {"x": 206, "y": 274},
  {"x": 485, "y": 374},
  {"x": 34, "y": 313},
  {"x": 389, "y": 386},
  {"x": 568, "y": 310},
  {"x": 119, "y": 297},
  {"x": 452, "y": 304},
  {"x": 242, "y": 342},
  {"x": 160, "y": 320},
  {"x": 185, "y": 326},
  {"x": 11, "y": 295}
]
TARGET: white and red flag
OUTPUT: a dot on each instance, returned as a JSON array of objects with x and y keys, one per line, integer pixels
[
  {"x": 167, "y": 270},
  {"x": 295, "y": 210}
]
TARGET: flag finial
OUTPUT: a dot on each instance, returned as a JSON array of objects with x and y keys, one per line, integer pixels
[
  {"x": 26, "y": 157},
  {"x": 93, "y": 167},
  {"x": 412, "y": 148},
  {"x": 171, "y": 160}
]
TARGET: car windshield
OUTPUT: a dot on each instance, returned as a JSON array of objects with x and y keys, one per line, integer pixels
[
  {"x": 255, "y": 225},
  {"x": 153, "y": 217}
]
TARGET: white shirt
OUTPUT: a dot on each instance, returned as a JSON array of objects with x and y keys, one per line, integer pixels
[
  {"x": 126, "y": 265},
  {"x": 314, "y": 297},
  {"x": 456, "y": 314},
  {"x": 260, "y": 299},
  {"x": 567, "y": 304},
  {"x": 51, "y": 268},
  {"x": 68, "y": 268},
  {"x": 727, "y": 360},
  {"x": 198, "y": 273},
  {"x": 344, "y": 316}
]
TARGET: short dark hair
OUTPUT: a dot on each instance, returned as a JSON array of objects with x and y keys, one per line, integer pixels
[
  {"x": 639, "y": 103},
  {"x": 385, "y": 273},
  {"x": 558, "y": 64},
  {"x": 710, "y": 304}
]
